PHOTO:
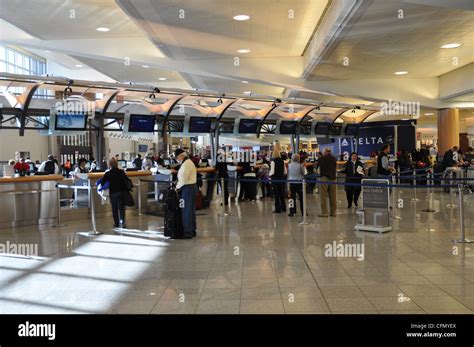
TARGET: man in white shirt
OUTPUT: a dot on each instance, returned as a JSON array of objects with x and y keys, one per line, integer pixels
[
  {"x": 49, "y": 166},
  {"x": 187, "y": 178}
]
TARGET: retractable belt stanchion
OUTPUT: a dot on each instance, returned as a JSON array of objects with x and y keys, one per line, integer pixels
[
  {"x": 91, "y": 200},
  {"x": 305, "y": 219},
  {"x": 451, "y": 195},
  {"x": 414, "y": 199},
  {"x": 139, "y": 186},
  {"x": 58, "y": 195},
  {"x": 430, "y": 182},
  {"x": 223, "y": 212},
  {"x": 462, "y": 226},
  {"x": 394, "y": 199}
]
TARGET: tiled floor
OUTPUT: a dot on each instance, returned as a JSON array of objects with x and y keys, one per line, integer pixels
[{"x": 252, "y": 261}]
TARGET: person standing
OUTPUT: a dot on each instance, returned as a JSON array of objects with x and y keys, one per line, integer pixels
[
  {"x": 296, "y": 172},
  {"x": 49, "y": 166},
  {"x": 187, "y": 190},
  {"x": 383, "y": 166},
  {"x": 117, "y": 187},
  {"x": 327, "y": 168},
  {"x": 81, "y": 166},
  {"x": 354, "y": 171},
  {"x": 221, "y": 167},
  {"x": 278, "y": 173}
]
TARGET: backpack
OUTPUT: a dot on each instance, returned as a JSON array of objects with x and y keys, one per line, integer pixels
[{"x": 49, "y": 167}]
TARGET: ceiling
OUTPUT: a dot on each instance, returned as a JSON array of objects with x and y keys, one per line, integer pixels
[
  {"x": 193, "y": 43},
  {"x": 380, "y": 43}
]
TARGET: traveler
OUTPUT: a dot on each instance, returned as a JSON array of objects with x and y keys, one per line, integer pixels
[
  {"x": 49, "y": 166},
  {"x": 187, "y": 190},
  {"x": 383, "y": 167},
  {"x": 404, "y": 165},
  {"x": 311, "y": 178},
  {"x": 92, "y": 165},
  {"x": 264, "y": 176},
  {"x": 117, "y": 187},
  {"x": 148, "y": 162},
  {"x": 469, "y": 155},
  {"x": 354, "y": 171},
  {"x": 451, "y": 157},
  {"x": 277, "y": 173},
  {"x": 221, "y": 167},
  {"x": 327, "y": 167},
  {"x": 296, "y": 172}
]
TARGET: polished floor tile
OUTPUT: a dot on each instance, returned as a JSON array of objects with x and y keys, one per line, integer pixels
[{"x": 252, "y": 261}]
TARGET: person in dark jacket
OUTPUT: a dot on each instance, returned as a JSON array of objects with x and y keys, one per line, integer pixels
[
  {"x": 328, "y": 169},
  {"x": 117, "y": 187},
  {"x": 383, "y": 166},
  {"x": 221, "y": 168},
  {"x": 278, "y": 173},
  {"x": 404, "y": 165},
  {"x": 354, "y": 171}
]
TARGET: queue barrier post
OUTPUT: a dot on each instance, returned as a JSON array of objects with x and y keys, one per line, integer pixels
[
  {"x": 414, "y": 199},
  {"x": 139, "y": 186},
  {"x": 462, "y": 227},
  {"x": 451, "y": 197},
  {"x": 430, "y": 182},
  {"x": 305, "y": 219},
  {"x": 58, "y": 198},
  {"x": 92, "y": 204},
  {"x": 223, "y": 212},
  {"x": 394, "y": 199}
]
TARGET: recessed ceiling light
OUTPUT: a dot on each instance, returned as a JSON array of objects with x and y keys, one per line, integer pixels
[
  {"x": 103, "y": 29},
  {"x": 245, "y": 81},
  {"x": 248, "y": 92},
  {"x": 162, "y": 78},
  {"x": 243, "y": 50},
  {"x": 242, "y": 17},
  {"x": 46, "y": 51},
  {"x": 145, "y": 66},
  {"x": 429, "y": 114},
  {"x": 451, "y": 45},
  {"x": 401, "y": 72},
  {"x": 79, "y": 65}
]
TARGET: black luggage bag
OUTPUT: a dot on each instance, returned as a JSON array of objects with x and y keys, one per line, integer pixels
[{"x": 173, "y": 221}]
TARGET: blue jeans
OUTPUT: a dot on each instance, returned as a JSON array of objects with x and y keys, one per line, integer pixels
[{"x": 188, "y": 198}]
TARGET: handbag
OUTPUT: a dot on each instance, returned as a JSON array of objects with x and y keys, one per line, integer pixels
[{"x": 128, "y": 199}]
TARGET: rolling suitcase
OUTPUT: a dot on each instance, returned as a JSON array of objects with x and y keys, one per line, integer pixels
[
  {"x": 173, "y": 221},
  {"x": 199, "y": 200}
]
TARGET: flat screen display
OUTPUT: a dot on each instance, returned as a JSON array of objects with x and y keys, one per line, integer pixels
[
  {"x": 322, "y": 128},
  {"x": 142, "y": 148},
  {"x": 336, "y": 129},
  {"x": 141, "y": 124},
  {"x": 200, "y": 125},
  {"x": 248, "y": 126},
  {"x": 351, "y": 129},
  {"x": 288, "y": 127},
  {"x": 226, "y": 128},
  {"x": 71, "y": 121}
]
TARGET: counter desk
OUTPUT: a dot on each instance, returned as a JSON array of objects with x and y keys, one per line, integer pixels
[{"x": 29, "y": 200}]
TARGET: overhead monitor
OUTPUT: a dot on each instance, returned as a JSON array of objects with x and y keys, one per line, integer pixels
[
  {"x": 200, "y": 125},
  {"x": 351, "y": 129},
  {"x": 71, "y": 121},
  {"x": 335, "y": 129},
  {"x": 248, "y": 126},
  {"x": 141, "y": 124},
  {"x": 322, "y": 128},
  {"x": 226, "y": 127},
  {"x": 288, "y": 127}
]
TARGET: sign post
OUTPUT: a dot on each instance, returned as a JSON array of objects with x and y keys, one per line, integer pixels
[{"x": 375, "y": 214}]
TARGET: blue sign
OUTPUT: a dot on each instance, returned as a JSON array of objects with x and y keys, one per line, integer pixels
[
  {"x": 142, "y": 148},
  {"x": 370, "y": 140}
]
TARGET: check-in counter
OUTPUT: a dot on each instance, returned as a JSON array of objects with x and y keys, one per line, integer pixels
[{"x": 29, "y": 200}]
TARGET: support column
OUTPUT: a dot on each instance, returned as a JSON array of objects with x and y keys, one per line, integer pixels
[{"x": 448, "y": 129}]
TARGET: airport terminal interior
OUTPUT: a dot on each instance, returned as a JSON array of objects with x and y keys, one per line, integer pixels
[{"x": 236, "y": 157}]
